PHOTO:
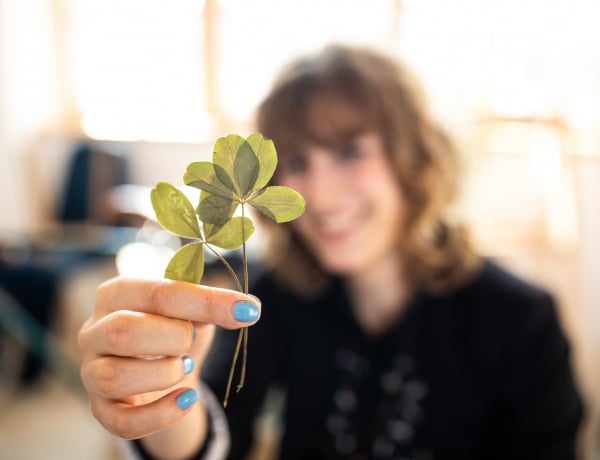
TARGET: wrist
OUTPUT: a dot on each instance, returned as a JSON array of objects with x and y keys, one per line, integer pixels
[{"x": 184, "y": 438}]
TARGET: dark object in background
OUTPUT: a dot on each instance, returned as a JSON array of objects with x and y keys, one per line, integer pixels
[
  {"x": 35, "y": 290},
  {"x": 33, "y": 278},
  {"x": 92, "y": 173}
]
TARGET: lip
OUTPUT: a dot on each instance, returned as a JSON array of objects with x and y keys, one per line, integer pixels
[
  {"x": 336, "y": 231},
  {"x": 337, "y": 236}
]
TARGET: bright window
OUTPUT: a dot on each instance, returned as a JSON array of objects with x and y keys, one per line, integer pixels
[
  {"x": 187, "y": 70},
  {"x": 137, "y": 68},
  {"x": 140, "y": 70},
  {"x": 258, "y": 37}
]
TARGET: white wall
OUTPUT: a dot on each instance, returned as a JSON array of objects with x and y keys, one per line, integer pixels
[{"x": 28, "y": 97}]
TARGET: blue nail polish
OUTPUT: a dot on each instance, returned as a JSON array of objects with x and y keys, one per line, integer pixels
[
  {"x": 188, "y": 364},
  {"x": 187, "y": 398},
  {"x": 245, "y": 311}
]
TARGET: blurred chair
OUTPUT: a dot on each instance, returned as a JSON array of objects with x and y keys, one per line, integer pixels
[
  {"x": 27, "y": 290},
  {"x": 88, "y": 231},
  {"x": 23, "y": 332},
  {"x": 93, "y": 173}
]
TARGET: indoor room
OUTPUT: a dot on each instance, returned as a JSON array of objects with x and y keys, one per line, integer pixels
[{"x": 100, "y": 100}]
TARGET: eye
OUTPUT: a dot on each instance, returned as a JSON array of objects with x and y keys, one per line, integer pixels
[
  {"x": 293, "y": 164},
  {"x": 350, "y": 151}
]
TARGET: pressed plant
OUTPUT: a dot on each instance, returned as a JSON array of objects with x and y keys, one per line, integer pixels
[{"x": 237, "y": 177}]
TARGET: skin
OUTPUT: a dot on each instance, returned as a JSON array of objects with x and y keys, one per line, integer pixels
[
  {"x": 352, "y": 195},
  {"x": 135, "y": 397},
  {"x": 353, "y": 219}
]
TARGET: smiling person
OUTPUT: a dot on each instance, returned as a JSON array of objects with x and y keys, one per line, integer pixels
[{"x": 387, "y": 335}]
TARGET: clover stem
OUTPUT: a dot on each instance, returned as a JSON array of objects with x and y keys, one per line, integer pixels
[
  {"x": 232, "y": 369},
  {"x": 244, "y": 331},
  {"x": 227, "y": 266},
  {"x": 244, "y": 256},
  {"x": 243, "y": 334}
]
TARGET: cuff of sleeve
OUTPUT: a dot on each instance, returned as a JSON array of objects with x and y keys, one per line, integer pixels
[{"x": 218, "y": 438}]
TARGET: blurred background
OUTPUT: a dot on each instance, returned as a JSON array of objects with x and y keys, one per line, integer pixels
[{"x": 100, "y": 99}]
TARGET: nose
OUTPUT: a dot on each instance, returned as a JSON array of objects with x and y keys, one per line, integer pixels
[{"x": 324, "y": 184}]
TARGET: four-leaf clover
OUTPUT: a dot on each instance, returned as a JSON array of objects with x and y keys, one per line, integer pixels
[{"x": 237, "y": 177}]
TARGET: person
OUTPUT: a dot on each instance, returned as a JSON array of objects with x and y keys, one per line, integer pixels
[{"x": 388, "y": 336}]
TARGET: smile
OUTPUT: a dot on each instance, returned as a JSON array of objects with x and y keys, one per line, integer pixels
[{"x": 333, "y": 228}]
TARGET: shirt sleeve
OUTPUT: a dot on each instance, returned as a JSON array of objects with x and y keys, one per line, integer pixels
[
  {"x": 217, "y": 443},
  {"x": 541, "y": 403},
  {"x": 525, "y": 358}
]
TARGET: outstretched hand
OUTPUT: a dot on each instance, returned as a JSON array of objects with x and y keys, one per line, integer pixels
[{"x": 144, "y": 346}]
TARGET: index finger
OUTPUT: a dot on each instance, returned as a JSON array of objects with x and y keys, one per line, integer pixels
[{"x": 177, "y": 299}]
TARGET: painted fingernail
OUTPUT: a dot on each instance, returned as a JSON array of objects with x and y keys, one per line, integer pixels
[
  {"x": 187, "y": 398},
  {"x": 188, "y": 364},
  {"x": 246, "y": 311}
]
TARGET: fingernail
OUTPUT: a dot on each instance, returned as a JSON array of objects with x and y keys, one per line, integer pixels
[
  {"x": 246, "y": 311},
  {"x": 187, "y": 398},
  {"x": 188, "y": 364},
  {"x": 255, "y": 298}
]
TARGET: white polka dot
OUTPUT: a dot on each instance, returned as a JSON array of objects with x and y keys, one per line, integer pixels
[
  {"x": 400, "y": 431},
  {"x": 383, "y": 448},
  {"x": 391, "y": 382},
  {"x": 345, "y": 399},
  {"x": 337, "y": 423},
  {"x": 345, "y": 444}
]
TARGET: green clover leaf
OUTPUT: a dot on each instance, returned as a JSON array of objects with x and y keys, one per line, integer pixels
[
  {"x": 265, "y": 152},
  {"x": 174, "y": 211},
  {"x": 281, "y": 204},
  {"x": 236, "y": 162},
  {"x": 233, "y": 234},
  {"x": 187, "y": 264},
  {"x": 202, "y": 175},
  {"x": 215, "y": 209},
  {"x": 245, "y": 169},
  {"x": 224, "y": 154}
]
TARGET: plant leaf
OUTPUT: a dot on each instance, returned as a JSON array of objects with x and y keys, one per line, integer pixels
[
  {"x": 282, "y": 204},
  {"x": 215, "y": 209},
  {"x": 245, "y": 169},
  {"x": 187, "y": 264},
  {"x": 174, "y": 211},
  {"x": 224, "y": 154},
  {"x": 224, "y": 178},
  {"x": 264, "y": 149},
  {"x": 232, "y": 234},
  {"x": 203, "y": 175}
]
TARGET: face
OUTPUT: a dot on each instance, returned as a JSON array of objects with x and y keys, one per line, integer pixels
[{"x": 355, "y": 206}]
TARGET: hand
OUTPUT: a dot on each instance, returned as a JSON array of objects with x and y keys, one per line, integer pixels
[{"x": 139, "y": 343}]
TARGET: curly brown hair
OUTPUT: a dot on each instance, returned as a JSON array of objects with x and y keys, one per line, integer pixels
[{"x": 436, "y": 251}]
